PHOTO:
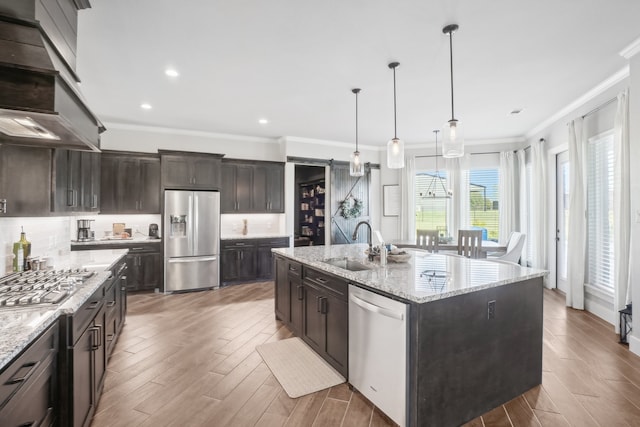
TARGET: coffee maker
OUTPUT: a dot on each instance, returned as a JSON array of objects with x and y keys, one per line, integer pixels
[
  {"x": 153, "y": 231},
  {"x": 84, "y": 230}
]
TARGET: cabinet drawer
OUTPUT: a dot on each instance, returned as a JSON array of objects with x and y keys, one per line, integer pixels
[
  {"x": 278, "y": 242},
  {"x": 85, "y": 315},
  {"x": 332, "y": 283},
  {"x": 28, "y": 366},
  {"x": 233, "y": 244},
  {"x": 294, "y": 269}
]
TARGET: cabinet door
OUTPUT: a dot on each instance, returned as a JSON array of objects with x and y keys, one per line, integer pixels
[
  {"x": 230, "y": 264},
  {"x": 109, "y": 181},
  {"x": 264, "y": 263},
  {"x": 128, "y": 185},
  {"x": 150, "y": 265},
  {"x": 68, "y": 177},
  {"x": 84, "y": 395},
  {"x": 176, "y": 172},
  {"x": 244, "y": 185},
  {"x": 94, "y": 181},
  {"x": 337, "y": 337},
  {"x": 133, "y": 272},
  {"x": 206, "y": 172},
  {"x": 100, "y": 353},
  {"x": 25, "y": 180},
  {"x": 149, "y": 190},
  {"x": 259, "y": 192},
  {"x": 297, "y": 303},
  {"x": 228, "y": 188},
  {"x": 275, "y": 188},
  {"x": 314, "y": 320},
  {"x": 247, "y": 264},
  {"x": 283, "y": 292}
]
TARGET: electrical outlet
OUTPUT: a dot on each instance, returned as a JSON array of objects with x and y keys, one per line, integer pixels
[{"x": 491, "y": 309}]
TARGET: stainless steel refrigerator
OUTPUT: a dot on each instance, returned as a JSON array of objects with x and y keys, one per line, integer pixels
[{"x": 191, "y": 240}]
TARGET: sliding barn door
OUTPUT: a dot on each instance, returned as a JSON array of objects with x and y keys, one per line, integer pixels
[{"x": 350, "y": 188}]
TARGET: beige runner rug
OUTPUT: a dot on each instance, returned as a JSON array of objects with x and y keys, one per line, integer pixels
[{"x": 298, "y": 369}]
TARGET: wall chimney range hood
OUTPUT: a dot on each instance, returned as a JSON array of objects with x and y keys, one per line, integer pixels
[{"x": 39, "y": 102}]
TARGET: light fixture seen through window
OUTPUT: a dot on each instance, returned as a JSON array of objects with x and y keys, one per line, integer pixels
[
  {"x": 453, "y": 137},
  {"x": 437, "y": 188},
  {"x": 395, "y": 147},
  {"x": 355, "y": 165}
]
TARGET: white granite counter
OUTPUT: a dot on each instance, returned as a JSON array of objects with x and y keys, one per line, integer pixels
[
  {"x": 425, "y": 277},
  {"x": 22, "y": 325},
  {"x": 252, "y": 236},
  {"x": 107, "y": 242}
]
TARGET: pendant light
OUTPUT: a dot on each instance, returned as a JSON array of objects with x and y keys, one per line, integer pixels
[
  {"x": 355, "y": 165},
  {"x": 437, "y": 188},
  {"x": 453, "y": 141},
  {"x": 395, "y": 147}
]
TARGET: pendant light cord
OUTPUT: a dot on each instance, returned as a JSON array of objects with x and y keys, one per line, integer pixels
[
  {"x": 357, "y": 120},
  {"x": 451, "y": 69},
  {"x": 395, "y": 130},
  {"x": 437, "y": 171}
]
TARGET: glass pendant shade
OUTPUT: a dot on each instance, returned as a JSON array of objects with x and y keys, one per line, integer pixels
[
  {"x": 395, "y": 154},
  {"x": 355, "y": 165},
  {"x": 453, "y": 139}
]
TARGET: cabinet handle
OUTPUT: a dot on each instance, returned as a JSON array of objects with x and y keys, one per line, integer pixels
[
  {"x": 69, "y": 197},
  {"x": 323, "y": 305},
  {"x": 95, "y": 338},
  {"x": 321, "y": 280},
  {"x": 95, "y": 201},
  {"x": 27, "y": 424},
  {"x": 141, "y": 206},
  {"x": 318, "y": 304},
  {"x": 292, "y": 268},
  {"x": 300, "y": 292},
  {"x": 241, "y": 255},
  {"x": 111, "y": 303},
  {"x": 93, "y": 305},
  {"x": 31, "y": 366}
]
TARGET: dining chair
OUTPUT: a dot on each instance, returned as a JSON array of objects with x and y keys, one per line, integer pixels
[
  {"x": 469, "y": 243},
  {"x": 427, "y": 239},
  {"x": 514, "y": 247}
]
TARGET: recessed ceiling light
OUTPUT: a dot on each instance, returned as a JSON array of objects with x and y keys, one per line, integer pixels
[
  {"x": 145, "y": 106},
  {"x": 171, "y": 72},
  {"x": 515, "y": 111},
  {"x": 263, "y": 121}
]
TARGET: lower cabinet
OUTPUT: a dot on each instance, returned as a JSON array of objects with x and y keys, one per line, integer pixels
[
  {"x": 314, "y": 306},
  {"x": 29, "y": 386},
  {"x": 244, "y": 260},
  {"x": 145, "y": 269}
]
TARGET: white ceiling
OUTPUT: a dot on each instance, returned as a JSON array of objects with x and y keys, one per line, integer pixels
[{"x": 295, "y": 62}]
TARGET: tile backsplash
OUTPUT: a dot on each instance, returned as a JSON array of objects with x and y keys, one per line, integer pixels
[
  {"x": 231, "y": 225},
  {"x": 139, "y": 224},
  {"x": 49, "y": 237}
]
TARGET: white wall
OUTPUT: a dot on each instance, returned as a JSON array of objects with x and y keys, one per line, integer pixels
[{"x": 634, "y": 117}]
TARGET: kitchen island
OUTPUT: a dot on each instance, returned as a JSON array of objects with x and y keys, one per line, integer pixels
[{"x": 474, "y": 327}]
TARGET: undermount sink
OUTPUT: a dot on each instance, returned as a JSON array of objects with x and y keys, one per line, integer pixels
[{"x": 347, "y": 264}]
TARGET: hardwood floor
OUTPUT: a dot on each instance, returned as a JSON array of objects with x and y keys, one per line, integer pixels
[{"x": 190, "y": 360}]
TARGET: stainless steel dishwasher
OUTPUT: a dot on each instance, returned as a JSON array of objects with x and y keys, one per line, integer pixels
[{"x": 378, "y": 351}]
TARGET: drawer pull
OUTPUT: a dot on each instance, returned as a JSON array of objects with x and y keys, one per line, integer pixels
[
  {"x": 321, "y": 280},
  {"x": 30, "y": 367},
  {"x": 93, "y": 305},
  {"x": 111, "y": 303}
]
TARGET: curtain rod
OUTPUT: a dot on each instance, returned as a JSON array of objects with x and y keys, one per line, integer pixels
[
  {"x": 599, "y": 107},
  {"x": 471, "y": 154}
]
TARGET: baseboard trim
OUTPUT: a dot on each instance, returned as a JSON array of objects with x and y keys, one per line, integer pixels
[{"x": 634, "y": 344}]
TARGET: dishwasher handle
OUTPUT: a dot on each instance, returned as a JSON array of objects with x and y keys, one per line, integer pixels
[{"x": 376, "y": 308}]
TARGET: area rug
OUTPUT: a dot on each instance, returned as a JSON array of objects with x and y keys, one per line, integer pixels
[{"x": 298, "y": 369}]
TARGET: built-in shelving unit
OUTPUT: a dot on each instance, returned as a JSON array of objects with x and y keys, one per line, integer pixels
[{"x": 311, "y": 215}]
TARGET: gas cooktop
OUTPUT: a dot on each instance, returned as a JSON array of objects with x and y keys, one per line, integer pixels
[{"x": 37, "y": 288}]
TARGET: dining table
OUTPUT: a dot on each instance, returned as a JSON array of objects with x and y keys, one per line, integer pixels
[{"x": 487, "y": 247}]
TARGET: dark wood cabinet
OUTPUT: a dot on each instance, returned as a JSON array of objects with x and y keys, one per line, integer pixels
[
  {"x": 196, "y": 171},
  {"x": 289, "y": 293},
  {"x": 252, "y": 187},
  {"x": 245, "y": 260},
  {"x": 326, "y": 317},
  {"x": 75, "y": 181},
  {"x": 25, "y": 180},
  {"x": 115, "y": 306},
  {"x": 144, "y": 270},
  {"x": 130, "y": 183},
  {"x": 29, "y": 385}
]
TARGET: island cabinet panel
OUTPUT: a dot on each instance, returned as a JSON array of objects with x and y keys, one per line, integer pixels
[
  {"x": 326, "y": 317},
  {"x": 289, "y": 298},
  {"x": 467, "y": 359},
  {"x": 282, "y": 291},
  {"x": 29, "y": 385}
]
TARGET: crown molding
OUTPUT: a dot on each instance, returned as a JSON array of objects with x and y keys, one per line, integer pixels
[
  {"x": 325, "y": 142},
  {"x": 631, "y": 50},
  {"x": 187, "y": 132},
  {"x": 597, "y": 90}
]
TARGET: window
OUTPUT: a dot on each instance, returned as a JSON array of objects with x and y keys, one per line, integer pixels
[
  {"x": 484, "y": 202},
  {"x": 600, "y": 211},
  {"x": 431, "y": 213}
]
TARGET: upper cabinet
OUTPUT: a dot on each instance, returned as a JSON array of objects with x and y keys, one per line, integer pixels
[
  {"x": 130, "y": 183},
  {"x": 190, "y": 171},
  {"x": 252, "y": 187},
  {"x": 25, "y": 180},
  {"x": 75, "y": 181}
]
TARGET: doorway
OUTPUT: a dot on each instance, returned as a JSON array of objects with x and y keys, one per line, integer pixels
[
  {"x": 309, "y": 195},
  {"x": 562, "y": 218}
]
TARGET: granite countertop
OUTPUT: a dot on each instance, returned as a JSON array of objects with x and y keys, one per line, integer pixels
[
  {"x": 113, "y": 241},
  {"x": 414, "y": 280},
  {"x": 20, "y": 326},
  {"x": 252, "y": 236}
]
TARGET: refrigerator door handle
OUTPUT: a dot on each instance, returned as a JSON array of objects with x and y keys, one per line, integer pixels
[
  {"x": 196, "y": 223},
  {"x": 188, "y": 260},
  {"x": 190, "y": 225}
]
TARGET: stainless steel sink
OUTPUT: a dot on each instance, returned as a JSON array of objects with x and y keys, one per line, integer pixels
[{"x": 347, "y": 264}]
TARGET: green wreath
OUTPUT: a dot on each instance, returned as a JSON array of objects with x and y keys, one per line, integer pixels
[{"x": 351, "y": 207}]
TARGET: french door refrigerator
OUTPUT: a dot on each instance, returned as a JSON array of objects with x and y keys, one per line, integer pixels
[{"x": 191, "y": 240}]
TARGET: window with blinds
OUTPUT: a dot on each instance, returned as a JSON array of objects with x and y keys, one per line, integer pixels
[
  {"x": 431, "y": 213},
  {"x": 484, "y": 204},
  {"x": 600, "y": 212}
]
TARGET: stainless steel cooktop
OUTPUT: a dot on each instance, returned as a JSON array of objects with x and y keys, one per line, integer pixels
[{"x": 36, "y": 288}]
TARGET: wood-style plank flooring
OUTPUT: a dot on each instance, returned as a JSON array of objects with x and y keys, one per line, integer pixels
[{"x": 190, "y": 360}]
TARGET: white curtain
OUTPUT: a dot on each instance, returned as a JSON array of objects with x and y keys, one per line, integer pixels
[
  {"x": 523, "y": 209},
  {"x": 538, "y": 209},
  {"x": 622, "y": 205},
  {"x": 407, "y": 191},
  {"x": 576, "y": 246},
  {"x": 507, "y": 187},
  {"x": 458, "y": 214}
]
